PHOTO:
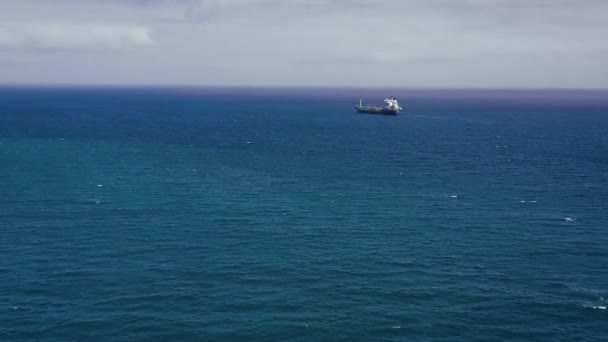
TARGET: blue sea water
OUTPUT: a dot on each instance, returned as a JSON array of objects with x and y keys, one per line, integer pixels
[{"x": 280, "y": 214}]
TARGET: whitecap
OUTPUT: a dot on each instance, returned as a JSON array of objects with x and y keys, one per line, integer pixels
[
  {"x": 569, "y": 219},
  {"x": 396, "y": 327},
  {"x": 99, "y": 185},
  {"x": 453, "y": 196},
  {"x": 596, "y": 307}
]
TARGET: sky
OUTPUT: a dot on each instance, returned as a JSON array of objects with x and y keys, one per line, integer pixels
[{"x": 359, "y": 43}]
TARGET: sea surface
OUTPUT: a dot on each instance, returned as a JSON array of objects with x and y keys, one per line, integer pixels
[{"x": 280, "y": 214}]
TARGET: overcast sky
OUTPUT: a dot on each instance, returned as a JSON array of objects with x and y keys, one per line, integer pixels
[{"x": 403, "y": 43}]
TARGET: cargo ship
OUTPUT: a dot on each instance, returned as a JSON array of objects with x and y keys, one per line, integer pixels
[{"x": 391, "y": 107}]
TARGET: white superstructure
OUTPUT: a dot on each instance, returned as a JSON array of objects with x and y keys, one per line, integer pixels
[{"x": 392, "y": 103}]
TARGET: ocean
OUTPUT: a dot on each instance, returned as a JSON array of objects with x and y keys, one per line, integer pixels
[{"x": 266, "y": 214}]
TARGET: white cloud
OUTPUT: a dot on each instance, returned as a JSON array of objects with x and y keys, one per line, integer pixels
[
  {"x": 73, "y": 37},
  {"x": 444, "y": 43}
]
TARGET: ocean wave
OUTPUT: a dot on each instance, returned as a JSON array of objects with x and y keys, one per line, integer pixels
[{"x": 595, "y": 307}]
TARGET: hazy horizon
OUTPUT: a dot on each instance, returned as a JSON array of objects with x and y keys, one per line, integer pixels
[
  {"x": 291, "y": 86},
  {"x": 466, "y": 44}
]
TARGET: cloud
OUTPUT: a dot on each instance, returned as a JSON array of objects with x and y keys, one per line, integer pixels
[
  {"x": 74, "y": 37},
  {"x": 504, "y": 43}
]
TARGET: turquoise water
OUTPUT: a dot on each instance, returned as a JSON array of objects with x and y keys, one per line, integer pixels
[{"x": 267, "y": 214}]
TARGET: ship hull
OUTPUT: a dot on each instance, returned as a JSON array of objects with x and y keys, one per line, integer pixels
[{"x": 381, "y": 111}]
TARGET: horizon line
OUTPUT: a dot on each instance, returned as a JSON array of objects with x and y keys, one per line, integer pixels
[{"x": 287, "y": 86}]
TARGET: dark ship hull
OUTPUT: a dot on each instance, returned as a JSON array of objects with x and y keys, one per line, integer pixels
[{"x": 376, "y": 110}]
